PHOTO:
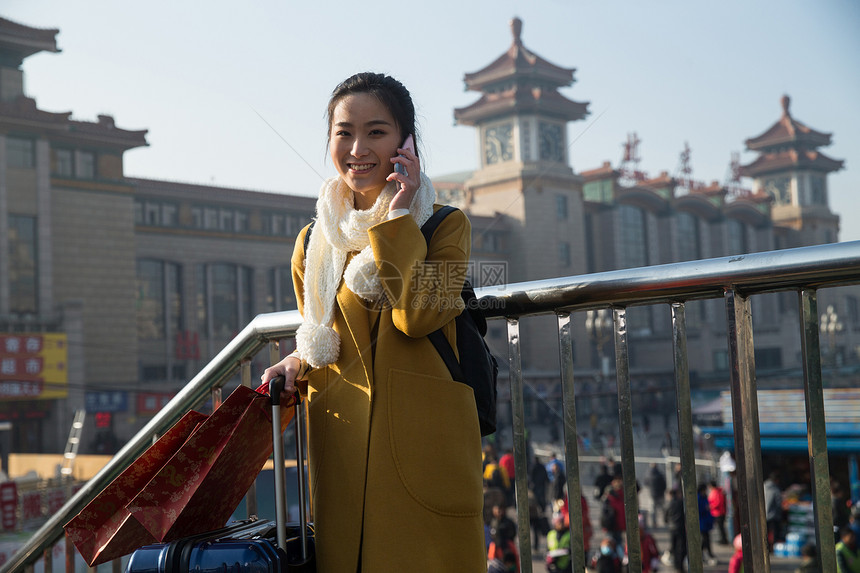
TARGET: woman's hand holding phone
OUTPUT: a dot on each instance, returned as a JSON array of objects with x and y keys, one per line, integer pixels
[{"x": 407, "y": 172}]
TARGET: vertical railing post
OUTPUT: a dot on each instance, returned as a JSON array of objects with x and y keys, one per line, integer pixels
[
  {"x": 48, "y": 557},
  {"x": 685, "y": 437},
  {"x": 747, "y": 433},
  {"x": 251, "y": 496},
  {"x": 625, "y": 425},
  {"x": 70, "y": 555},
  {"x": 217, "y": 397},
  {"x": 519, "y": 439},
  {"x": 816, "y": 428},
  {"x": 578, "y": 550}
]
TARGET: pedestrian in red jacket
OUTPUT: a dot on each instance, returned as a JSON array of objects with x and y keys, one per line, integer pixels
[{"x": 717, "y": 503}]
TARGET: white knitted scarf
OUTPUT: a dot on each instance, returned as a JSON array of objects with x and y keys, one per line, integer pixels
[{"x": 340, "y": 229}]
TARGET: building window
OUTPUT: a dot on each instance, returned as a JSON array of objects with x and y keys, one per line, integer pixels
[
  {"x": 561, "y": 207},
  {"x": 159, "y": 299},
  {"x": 156, "y": 213},
  {"x": 86, "y": 165},
  {"x": 282, "y": 295},
  {"x": 20, "y": 153},
  {"x": 23, "y": 269},
  {"x": 225, "y": 221},
  {"x": 768, "y": 358},
  {"x": 64, "y": 166},
  {"x": 853, "y": 308},
  {"x": 818, "y": 191},
  {"x": 564, "y": 254},
  {"x": 737, "y": 237},
  {"x": 225, "y": 298},
  {"x": 633, "y": 247},
  {"x": 689, "y": 245},
  {"x": 241, "y": 221},
  {"x": 210, "y": 218},
  {"x": 721, "y": 360}
]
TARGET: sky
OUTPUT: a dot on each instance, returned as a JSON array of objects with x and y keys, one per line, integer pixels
[{"x": 234, "y": 94}]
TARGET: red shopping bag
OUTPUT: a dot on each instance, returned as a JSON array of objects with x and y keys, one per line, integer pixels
[
  {"x": 104, "y": 529},
  {"x": 203, "y": 483}
]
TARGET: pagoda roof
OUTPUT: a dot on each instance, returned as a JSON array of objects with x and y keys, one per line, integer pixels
[
  {"x": 519, "y": 61},
  {"x": 23, "y": 114},
  {"x": 788, "y": 132},
  {"x": 23, "y": 41},
  {"x": 797, "y": 158},
  {"x": 520, "y": 80},
  {"x": 522, "y": 100}
]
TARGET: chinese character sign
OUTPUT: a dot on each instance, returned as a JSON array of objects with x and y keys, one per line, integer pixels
[
  {"x": 33, "y": 366},
  {"x": 8, "y": 505}
]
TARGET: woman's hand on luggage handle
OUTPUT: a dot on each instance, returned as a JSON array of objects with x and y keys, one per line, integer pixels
[{"x": 288, "y": 368}]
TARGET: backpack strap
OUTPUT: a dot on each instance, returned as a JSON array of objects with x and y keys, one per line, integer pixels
[
  {"x": 437, "y": 337},
  {"x": 308, "y": 236},
  {"x": 429, "y": 227}
]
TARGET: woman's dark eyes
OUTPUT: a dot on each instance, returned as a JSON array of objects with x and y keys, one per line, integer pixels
[{"x": 373, "y": 132}]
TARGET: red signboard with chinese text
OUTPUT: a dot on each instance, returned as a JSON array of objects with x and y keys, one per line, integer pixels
[
  {"x": 33, "y": 366},
  {"x": 8, "y": 505},
  {"x": 151, "y": 403}
]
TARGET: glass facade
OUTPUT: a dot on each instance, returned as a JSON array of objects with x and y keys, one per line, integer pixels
[
  {"x": 689, "y": 242},
  {"x": 20, "y": 153},
  {"x": 281, "y": 295},
  {"x": 633, "y": 247},
  {"x": 23, "y": 269},
  {"x": 224, "y": 298},
  {"x": 159, "y": 299}
]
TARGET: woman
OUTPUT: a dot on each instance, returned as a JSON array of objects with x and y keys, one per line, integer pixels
[{"x": 395, "y": 448}]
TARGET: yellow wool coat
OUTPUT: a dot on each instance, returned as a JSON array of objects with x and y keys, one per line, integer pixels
[{"x": 394, "y": 441}]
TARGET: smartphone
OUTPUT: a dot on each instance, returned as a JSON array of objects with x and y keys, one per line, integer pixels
[{"x": 408, "y": 143}]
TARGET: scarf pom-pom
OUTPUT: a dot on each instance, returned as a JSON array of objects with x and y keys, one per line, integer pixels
[
  {"x": 318, "y": 344},
  {"x": 362, "y": 276}
]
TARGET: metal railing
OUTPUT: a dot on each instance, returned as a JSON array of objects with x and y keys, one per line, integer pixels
[{"x": 734, "y": 279}]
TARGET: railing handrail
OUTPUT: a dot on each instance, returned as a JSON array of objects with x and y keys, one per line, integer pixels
[
  {"x": 244, "y": 346},
  {"x": 816, "y": 266},
  {"x": 830, "y": 264}
]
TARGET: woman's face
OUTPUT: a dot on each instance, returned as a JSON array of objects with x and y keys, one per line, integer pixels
[{"x": 363, "y": 139}]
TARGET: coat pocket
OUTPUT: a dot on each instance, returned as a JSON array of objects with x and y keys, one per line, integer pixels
[{"x": 436, "y": 442}]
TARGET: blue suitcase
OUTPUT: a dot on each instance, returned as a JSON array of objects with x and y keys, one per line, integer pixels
[{"x": 248, "y": 546}]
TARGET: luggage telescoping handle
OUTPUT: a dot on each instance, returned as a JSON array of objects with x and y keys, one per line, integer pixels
[{"x": 276, "y": 386}]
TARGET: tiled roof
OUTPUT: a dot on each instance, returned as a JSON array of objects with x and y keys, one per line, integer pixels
[
  {"x": 520, "y": 80},
  {"x": 788, "y": 132},
  {"x": 519, "y": 60},
  {"x": 601, "y": 172},
  {"x": 778, "y": 161},
  {"x": 524, "y": 100},
  {"x": 25, "y": 40},
  {"x": 23, "y": 111}
]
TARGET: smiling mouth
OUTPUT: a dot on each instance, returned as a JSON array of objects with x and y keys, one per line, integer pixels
[{"x": 360, "y": 167}]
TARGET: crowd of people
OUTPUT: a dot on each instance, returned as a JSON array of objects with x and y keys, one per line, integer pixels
[{"x": 549, "y": 518}]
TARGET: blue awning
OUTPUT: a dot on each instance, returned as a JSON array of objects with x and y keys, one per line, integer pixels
[{"x": 791, "y": 438}]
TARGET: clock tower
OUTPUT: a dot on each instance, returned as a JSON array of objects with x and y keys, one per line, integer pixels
[
  {"x": 525, "y": 177},
  {"x": 793, "y": 172},
  {"x": 521, "y": 117}
]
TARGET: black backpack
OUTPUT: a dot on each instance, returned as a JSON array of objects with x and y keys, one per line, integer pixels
[{"x": 478, "y": 368}]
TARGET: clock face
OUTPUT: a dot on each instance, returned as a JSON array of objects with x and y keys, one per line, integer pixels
[
  {"x": 551, "y": 142},
  {"x": 498, "y": 143},
  {"x": 780, "y": 189}
]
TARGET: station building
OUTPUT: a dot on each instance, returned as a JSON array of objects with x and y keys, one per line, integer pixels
[{"x": 115, "y": 291}]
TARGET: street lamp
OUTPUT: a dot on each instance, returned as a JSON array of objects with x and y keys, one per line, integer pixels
[
  {"x": 599, "y": 327},
  {"x": 829, "y": 326}
]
